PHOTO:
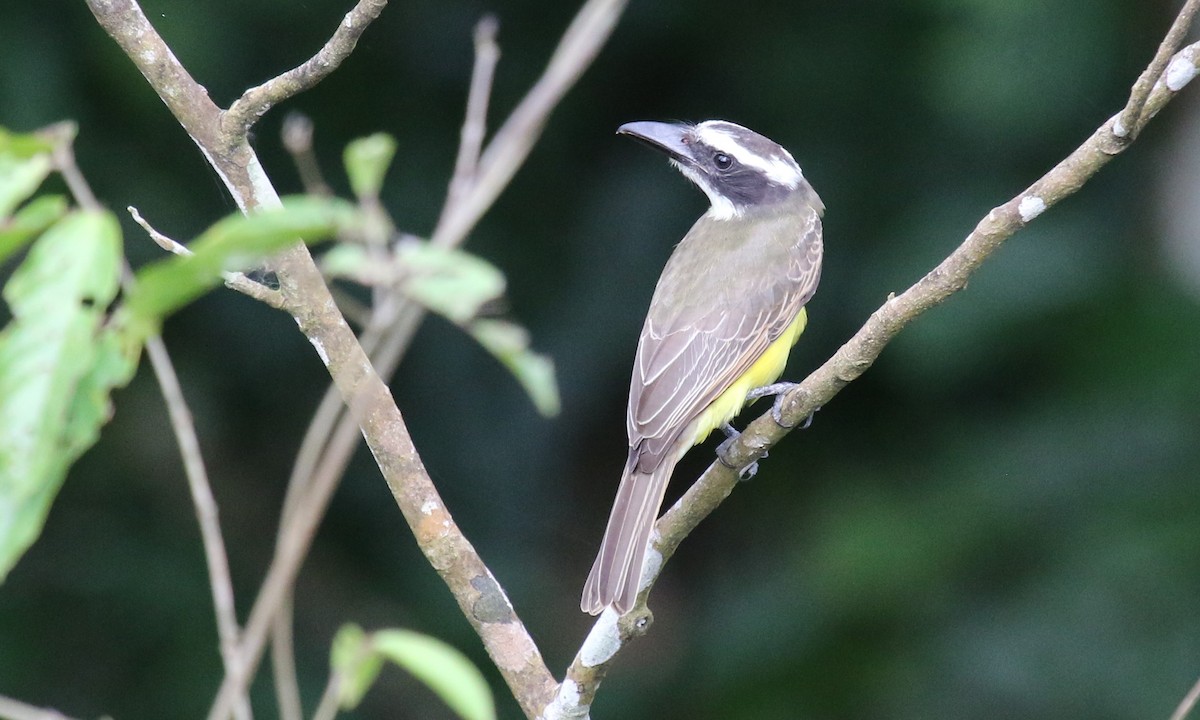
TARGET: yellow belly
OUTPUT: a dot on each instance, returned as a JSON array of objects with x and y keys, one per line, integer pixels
[{"x": 764, "y": 371}]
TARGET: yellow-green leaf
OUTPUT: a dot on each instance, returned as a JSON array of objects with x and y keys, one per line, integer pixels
[
  {"x": 510, "y": 344},
  {"x": 357, "y": 657},
  {"x": 367, "y": 160}
]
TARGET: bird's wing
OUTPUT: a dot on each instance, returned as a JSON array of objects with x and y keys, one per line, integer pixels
[{"x": 690, "y": 355}]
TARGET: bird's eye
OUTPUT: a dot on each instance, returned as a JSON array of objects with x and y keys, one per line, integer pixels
[{"x": 722, "y": 161}]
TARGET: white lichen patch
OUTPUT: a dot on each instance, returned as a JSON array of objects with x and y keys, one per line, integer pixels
[
  {"x": 653, "y": 566},
  {"x": 428, "y": 506},
  {"x": 603, "y": 641},
  {"x": 1118, "y": 128},
  {"x": 1030, "y": 207},
  {"x": 1179, "y": 73},
  {"x": 320, "y": 348},
  {"x": 565, "y": 705}
]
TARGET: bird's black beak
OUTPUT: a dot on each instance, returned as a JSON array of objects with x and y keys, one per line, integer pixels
[{"x": 671, "y": 138}]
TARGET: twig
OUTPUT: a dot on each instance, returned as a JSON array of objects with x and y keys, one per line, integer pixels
[
  {"x": 206, "y": 511},
  {"x": 233, "y": 280},
  {"x": 64, "y": 160},
  {"x": 297, "y": 137},
  {"x": 16, "y": 710},
  {"x": 1133, "y": 118},
  {"x": 328, "y": 707},
  {"x": 609, "y": 634},
  {"x": 283, "y": 662},
  {"x": 487, "y": 54},
  {"x": 290, "y": 552},
  {"x": 172, "y": 246},
  {"x": 330, "y": 440},
  {"x": 255, "y": 102},
  {"x": 1188, "y": 702},
  {"x": 511, "y": 145}
]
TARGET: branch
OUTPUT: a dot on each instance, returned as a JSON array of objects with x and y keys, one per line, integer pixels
[
  {"x": 511, "y": 145},
  {"x": 610, "y": 634},
  {"x": 233, "y": 280},
  {"x": 487, "y": 54},
  {"x": 255, "y": 102},
  {"x": 1134, "y": 117},
  {"x": 1188, "y": 702},
  {"x": 206, "y": 511}
]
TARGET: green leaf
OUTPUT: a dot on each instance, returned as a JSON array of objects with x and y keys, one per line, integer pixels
[
  {"x": 238, "y": 242},
  {"x": 25, "y": 161},
  {"x": 367, "y": 160},
  {"x": 452, "y": 283},
  {"x": 29, "y": 222},
  {"x": 57, "y": 367},
  {"x": 456, "y": 285},
  {"x": 351, "y": 658},
  {"x": 442, "y": 668},
  {"x": 510, "y": 344},
  {"x": 357, "y": 658}
]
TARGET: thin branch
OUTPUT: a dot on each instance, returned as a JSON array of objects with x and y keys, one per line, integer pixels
[
  {"x": 283, "y": 662},
  {"x": 511, "y": 145},
  {"x": 609, "y": 634},
  {"x": 1133, "y": 118},
  {"x": 290, "y": 552},
  {"x": 1188, "y": 702},
  {"x": 328, "y": 707},
  {"x": 255, "y": 102},
  {"x": 487, "y": 54},
  {"x": 297, "y": 137},
  {"x": 233, "y": 280},
  {"x": 206, "y": 511},
  {"x": 64, "y": 160}
]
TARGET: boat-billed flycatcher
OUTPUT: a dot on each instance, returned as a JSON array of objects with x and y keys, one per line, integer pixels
[{"x": 725, "y": 314}]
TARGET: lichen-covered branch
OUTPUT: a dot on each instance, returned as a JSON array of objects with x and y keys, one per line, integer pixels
[
  {"x": 1135, "y": 116},
  {"x": 256, "y": 101},
  {"x": 610, "y": 633}
]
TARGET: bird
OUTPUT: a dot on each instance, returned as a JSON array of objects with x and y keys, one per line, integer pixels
[{"x": 726, "y": 311}]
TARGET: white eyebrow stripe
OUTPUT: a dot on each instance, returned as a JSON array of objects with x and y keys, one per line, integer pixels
[{"x": 780, "y": 170}]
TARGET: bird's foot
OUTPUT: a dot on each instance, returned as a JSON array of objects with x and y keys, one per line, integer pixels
[
  {"x": 778, "y": 389},
  {"x": 731, "y": 436}
]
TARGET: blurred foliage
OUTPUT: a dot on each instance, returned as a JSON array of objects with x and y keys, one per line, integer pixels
[
  {"x": 997, "y": 521},
  {"x": 357, "y": 658}
]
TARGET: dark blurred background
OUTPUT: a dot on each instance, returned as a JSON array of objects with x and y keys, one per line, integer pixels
[{"x": 1001, "y": 519}]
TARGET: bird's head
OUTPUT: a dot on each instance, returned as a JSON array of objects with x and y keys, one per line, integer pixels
[{"x": 737, "y": 168}]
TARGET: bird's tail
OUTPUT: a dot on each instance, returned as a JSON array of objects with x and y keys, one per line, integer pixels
[{"x": 617, "y": 571}]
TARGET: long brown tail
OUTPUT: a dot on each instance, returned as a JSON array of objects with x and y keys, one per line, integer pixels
[{"x": 618, "y": 568}]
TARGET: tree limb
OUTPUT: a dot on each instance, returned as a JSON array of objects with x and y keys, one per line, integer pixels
[
  {"x": 609, "y": 634},
  {"x": 255, "y": 102}
]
